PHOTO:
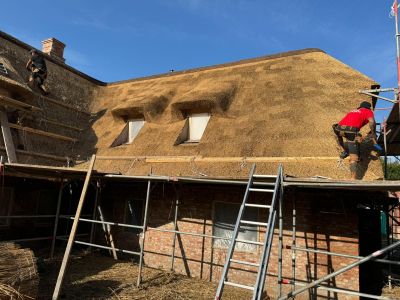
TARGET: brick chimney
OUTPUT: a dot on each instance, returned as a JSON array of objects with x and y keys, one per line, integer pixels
[{"x": 54, "y": 48}]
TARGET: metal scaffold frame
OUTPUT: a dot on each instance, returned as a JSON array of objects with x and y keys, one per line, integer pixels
[
  {"x": 299, "y": 286},
  {"x": 71, "y": 240}
]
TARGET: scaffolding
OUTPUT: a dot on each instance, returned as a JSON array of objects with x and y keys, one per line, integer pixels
[{"x": 297, "y": 286}]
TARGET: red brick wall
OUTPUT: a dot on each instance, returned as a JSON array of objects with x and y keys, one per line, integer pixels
[{"x": 325, "y": 222}]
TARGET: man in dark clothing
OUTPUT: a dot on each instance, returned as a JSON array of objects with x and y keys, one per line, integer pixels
[
  {"x": 349, "y": 128},
  {"x": 37, "y": 66}
]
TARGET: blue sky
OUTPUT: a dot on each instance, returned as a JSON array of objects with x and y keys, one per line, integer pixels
[{"x": 122, "y": 39}]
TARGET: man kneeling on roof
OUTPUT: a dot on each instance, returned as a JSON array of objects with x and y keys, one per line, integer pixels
[
  {"x": 37, "y": 66},
  {"x": 349, "y": 128}
]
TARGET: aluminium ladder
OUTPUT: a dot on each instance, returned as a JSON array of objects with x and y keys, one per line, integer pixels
[{"x": 254, "y": 187}]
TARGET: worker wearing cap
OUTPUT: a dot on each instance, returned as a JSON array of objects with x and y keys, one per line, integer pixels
[
  {"x": 349, "y": 128},
  {"x": 37, "y": 66}
]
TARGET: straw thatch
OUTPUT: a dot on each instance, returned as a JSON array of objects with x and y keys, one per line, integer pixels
[
  {"x": 18, "y": 272},
  {"x": 280, "y": 106}
]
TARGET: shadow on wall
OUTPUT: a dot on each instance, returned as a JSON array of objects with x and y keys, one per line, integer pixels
[
  {"x": 89, "y": 139},
  {"x": 367, "y": 153}
]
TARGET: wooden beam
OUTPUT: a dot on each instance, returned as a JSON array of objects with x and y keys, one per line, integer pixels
[
  {"x": 67, "y": 106},
  {"x": 187, "y": 159},
  {"x": 8, "y": 141},
  {"x": 107, "y": 233},
  {"x": 53, "y": 122},
  {"x": 43, "y": 155},
  {"x": 61, "y": 124},
  {"x": 72, "y": 234},
  {"x": 7, "y": 101},
  {"x": 43, "y": 133}
]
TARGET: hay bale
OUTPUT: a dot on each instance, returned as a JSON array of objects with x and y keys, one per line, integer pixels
[{"x": 18, "y": 272}]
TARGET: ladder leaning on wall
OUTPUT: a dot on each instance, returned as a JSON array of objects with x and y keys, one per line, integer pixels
[{"x": 254, "y": 187}]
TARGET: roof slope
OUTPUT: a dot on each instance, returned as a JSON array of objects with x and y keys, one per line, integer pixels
[{"x": 279, "y": 106}]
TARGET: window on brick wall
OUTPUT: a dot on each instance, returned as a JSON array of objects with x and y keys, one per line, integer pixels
[
  {"x": 225, "y": 215},
  {"x": 6, "y": 200}
]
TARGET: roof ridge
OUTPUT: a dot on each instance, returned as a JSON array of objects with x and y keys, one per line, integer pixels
[{"x": 223, "y": 65}]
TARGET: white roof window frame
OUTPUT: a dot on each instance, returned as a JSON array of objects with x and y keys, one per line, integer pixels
[
  {"x": 129, "y": 133},
  {"x": 195, "y": 126},
  {"x": 134, "y": 127}
]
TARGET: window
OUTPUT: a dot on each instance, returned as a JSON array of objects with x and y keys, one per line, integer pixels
[
  {"x": 6, "y": 199},
  {"x": 225, "y": 215},
  {"x": 129, "y": 133},
  {"x": 3, "y": 69},
  {"x": 194, "y": 128}
]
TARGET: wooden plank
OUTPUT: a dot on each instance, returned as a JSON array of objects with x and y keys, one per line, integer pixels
[
  {"x": 72, "y": 234},
  {"x": 61, "y": 124},
  {"x": 107, "y": 233},
  {"x": 67, "y": 106},
  {"x": 186, "y": 159},
  {"x": 43, "y": 155},
  {"x": 7, "y": 137},
  {"x": 43, "y": 133},
  {"x": 53, "y": 122},
  {"x": 7, "y": 101}
]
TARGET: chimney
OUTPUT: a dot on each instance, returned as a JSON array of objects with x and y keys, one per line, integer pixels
[{"x": 54, "y": 48}]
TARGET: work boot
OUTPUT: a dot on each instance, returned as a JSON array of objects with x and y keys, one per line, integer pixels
[
  {"x": 344, "y": 154},
  {"x": 44, "y": 90}
]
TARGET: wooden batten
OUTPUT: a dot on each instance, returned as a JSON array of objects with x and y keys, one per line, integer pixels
[
  {"x": 61, "y": 124},
  {"x": 37, "y": 154},
  {"x": 67, "y": 106},
  {"x": 43, "y": 133},
  {"x": 186, "y": 159},
  {"x": 7, "y": 101}
]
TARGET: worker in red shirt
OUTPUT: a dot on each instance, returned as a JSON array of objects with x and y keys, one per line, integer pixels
[{"x": 349, "y": 128}]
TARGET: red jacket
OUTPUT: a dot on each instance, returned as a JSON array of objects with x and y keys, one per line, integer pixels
[{"x": 357, "y": 118}]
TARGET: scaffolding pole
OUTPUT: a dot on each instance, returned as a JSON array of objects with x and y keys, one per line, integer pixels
[
  {"x": 385, "y": 148},
  {"x": 294, "y": 232},
  {"x": 280, "y": 247},
  {"x": 317, "y": 282},
  {"x": 175, "y": 228},
  {"x": 139, "y": 279},
  {"x": 94, "y": 215},
  {"x": 53, "y": 241}
]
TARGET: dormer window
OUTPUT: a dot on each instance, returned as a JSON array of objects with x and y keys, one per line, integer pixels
[
  {"x": 194, "y": 128},
  {"x": 134, "y": 128},
  {"x": 129, "y": 133}
]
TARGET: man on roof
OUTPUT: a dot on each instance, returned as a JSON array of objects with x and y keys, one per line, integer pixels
[
  {"x": 37, "y": 66},
  {"x": 349, "y": 128}
]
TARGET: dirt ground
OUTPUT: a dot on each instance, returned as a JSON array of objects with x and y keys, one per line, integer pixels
[{"x": 94, "y": 276}]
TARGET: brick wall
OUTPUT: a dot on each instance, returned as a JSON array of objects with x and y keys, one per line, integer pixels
[{"x": 324, "y": 222}]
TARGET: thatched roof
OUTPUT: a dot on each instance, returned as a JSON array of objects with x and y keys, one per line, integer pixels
[{"x": 278, "y": 106}]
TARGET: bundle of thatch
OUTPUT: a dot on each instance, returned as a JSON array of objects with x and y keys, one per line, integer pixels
[{"x": 18, "y": 272}]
